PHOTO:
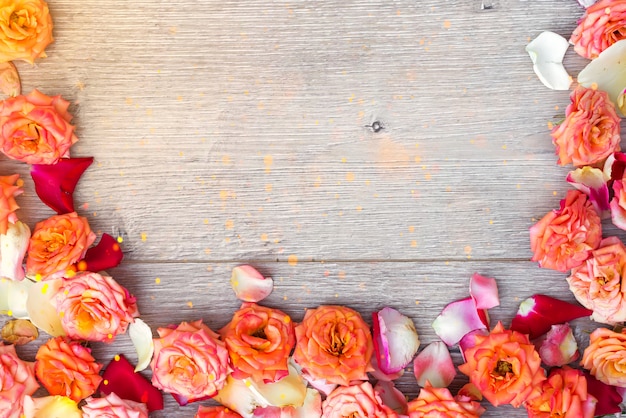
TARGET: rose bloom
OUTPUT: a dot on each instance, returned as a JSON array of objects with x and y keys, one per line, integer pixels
[
  {"x": 358, "y": 401},
  {"x": 259, "y": 341},
  {"x": 600, "y": 27},
  {"x": 17, "y": 380},
  {"x": 26, "y": 30},
  {"x": 36, "y": 128},
  {"x": 67, "y": 368},
  {"x": 563, "y": 394},
  {"x": 94, "y": 307},
  {"x": 605, "y": 357},
  {"x": 590, "y": 131},
  {"x": 334, "y": 343},
  {"x": 56, "y": 244},
  {"x": 439, "y": 402},
  {"x": 505, "y": 367},
  {"x": 112, "y": 406},
  {"x": 8, "y": 205},
  {"x": 600, "y": 283},
  {"x": 564, "y": 238},
  {"x": 189, "y": 361},
  {"x": 216, "y": 412}
]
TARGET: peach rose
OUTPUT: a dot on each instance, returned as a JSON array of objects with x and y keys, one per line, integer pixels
[
  {"x": 259, "y": 341},
  {"x": 358, "y": 401},
  {"x": 505, "y": 367},
  {"x": 590, "y": 131},
  {"x": 8, "y": 205},
  {"x": 17, "y": 380},
  {"x": 67, "y": 368},
  {"x": 600, "y": 283},
  {"x": 564, "y": 238},
  {"x": 605, "y": 357},
  {"x": 94, "y": 307},
  {"x": 603, "y": 24},
  {"x": 112, "y": 406},
  {"x": 56, "y": 244},
  {"x": 439, "y": 402},
  {"x": 563, "y": 394},
  {"x": 334, "y": 343},
  {"x": 36, "y": 129},
  {"x": 216, "y": 412},
  {"x": 189, "y": 362},
  {"x": 25, "y": 29}
]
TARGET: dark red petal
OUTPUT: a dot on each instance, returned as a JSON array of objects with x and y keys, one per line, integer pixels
[
  {"x": 55, "y": 183},
  {"x": 608, "y": 396},
  {"x": 120, "y": 377},
  {"x": 105, "y": 255},
  {"x": 538, "y": 313}
]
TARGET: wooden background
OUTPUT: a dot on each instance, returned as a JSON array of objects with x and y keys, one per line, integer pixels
[{"x": 229, "y": 132}]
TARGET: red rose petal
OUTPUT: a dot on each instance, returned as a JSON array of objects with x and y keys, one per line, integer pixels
[
  {"x": 608, "y": 396},
  {"x": 538, "y": 313},
  {"x": 55, "y": 183},
  {"x": 105, "y": 255},
  {"x": 120, "y": 377}
]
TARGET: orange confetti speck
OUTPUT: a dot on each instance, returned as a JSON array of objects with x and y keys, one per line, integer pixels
[
  {"x": 82, "y": 265},
  {"x": 447, "y": 24},
  {"x": 264, "y": 237},
  {"x": 350, "y": 176},
  {"x": 105, "y": 382},
  {"x": 110, "y": 336},
  {"x": 225, "y": 159},
  {"x": 190, "y": 304},
  {"x": 341, "y": 275},
  {"x": 413, "y": 243},
  {"x": 117, "y": 357},
  {"x": 157, "y": 280},
  {"x": 411, "y": 228},
  {"x": 359, "y": 208},
  {"x": 292, "y": 260},
  {"x": 229, "y": 224},
  {"x": 144, "y": 237},
  {"x": 120, "y": 239},
  {"x": 268, "y": 187}
]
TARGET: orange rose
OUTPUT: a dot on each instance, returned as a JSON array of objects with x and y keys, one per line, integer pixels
[
  {"x": 36, "y": 129},
  {"x": 259, "y": 341},
  {"x": 564, "y": 394},
  {"x": 600, "y": 283},
  {"x": 439, "y": 402},
  {"x": 94, "y": 307},
  {"x": 17, "y": 380},
  {"x": 189, "y": 362},
  {"x": 25, "y": 30},
  {"x": 602, "y": 25},
  {"x": 564, "y": 238},
  {"x": 357, "y": 401},
  {"x": 66, "y": 368},
  {"x": 605, "y": 357},
  {"x": 505, "y": 367},
  {"x": 8, "y": 205},
  {"x": 56, "y": 244},
  {"x": 334, "y": 343},
  {"x": 590, "y": 131},
  {"x": 216, "y": 412}
]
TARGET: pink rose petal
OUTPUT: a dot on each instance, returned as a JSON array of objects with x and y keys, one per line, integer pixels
[
  {"x": 559, "y": 346},
  {"x": 469, "y": 340},
  {"x": 250, "y": 285},
  {"x": 434, "y": 365},
  {"x": 395, "y": 340},
  {"x": 538, "y": 313},
  {"x": 107, "y": 254},
  {"x": 484, "y": 291},
  {"x": 391, "y": 396},
  {"x": 321, "y": 385},
  {"x": 615, "y": 166},
  {"x": 55, "y": 183},
  {"x": 378, "y": 374},
  {"x": 457, "y": 319}
]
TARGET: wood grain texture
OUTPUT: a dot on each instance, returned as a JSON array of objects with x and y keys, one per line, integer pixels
[{"x": 228, "y": 132}]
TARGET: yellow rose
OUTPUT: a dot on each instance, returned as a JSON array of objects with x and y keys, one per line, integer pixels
[{"x": 25, "y": 29}]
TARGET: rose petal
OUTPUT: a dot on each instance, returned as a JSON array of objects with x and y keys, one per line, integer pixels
[
  {"x": 469, "y": 340},
  {"x": 236, "y": 395},
  {"x": 615, "y": 166},
  {"x": 51, "y": 407},
  {"x": 434, "y": 365},
  {"x": 19, "y": 331},
  {"x": 322, "y": 385},
  {"x": 378, "y": 374},
  {"x": 559, "y": 346},
  {"x": 288, "y": 391},
  {"x": 13, "y": 246},
  {"x": 457, "y": 319},
  {"x": 538, "y": 313},
  {"x": 391, "y": 396},
  {"x": 546, "y": 52},
  {"x": 10, "y": 83},
  {"x": 587, "y": 3},
  {"x": 41, "y": 311},
  {"x": 141, "y": 336},
  {"x": 484, "y": 291},
  {"x": 55, "y": 183},
  {"x": 14, "y": 297},
  {"x": 395, "y": 340},
  {"x": 608, "y": 73},
  {"x": 312, "y": 407},
  {"x": 250, "y": 285},
  {"x": 119, "y": 377},
  {"x": 592, "y": 182},
  {"x": 107, "y": 254},
  {"x": 608, "y": 397}
]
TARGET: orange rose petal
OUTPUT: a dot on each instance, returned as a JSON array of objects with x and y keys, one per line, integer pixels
[{"x": 10, "y": 83}]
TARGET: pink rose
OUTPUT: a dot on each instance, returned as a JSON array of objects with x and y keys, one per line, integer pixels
[
  {"x": 358, "y": 401},
  {"x": 17, "y": 380},
  {"x": 36, "y": 129},
  {"x": 603, "y": 24},
  {"x": 564, "y": 238},
  {"x": 439, "y": 402},
  {"x": 590, "y": 131},
  {"x": 189, "y": 362},
  {"x": 94, "y": 307},
  {"x": 600, "y": 283},
  {"x": 112, "y": 406}
]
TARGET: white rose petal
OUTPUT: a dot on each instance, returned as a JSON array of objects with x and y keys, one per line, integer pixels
[{"x": 546, "y": 52}]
